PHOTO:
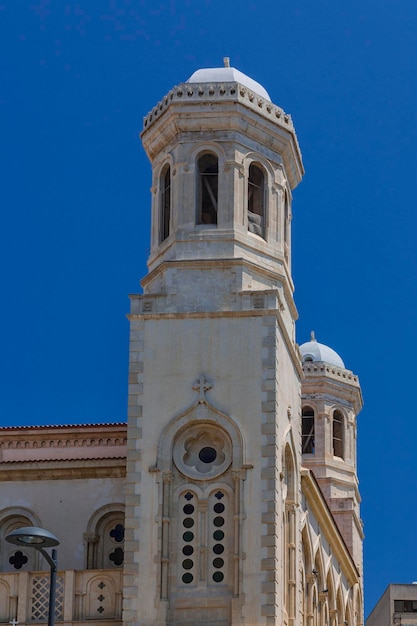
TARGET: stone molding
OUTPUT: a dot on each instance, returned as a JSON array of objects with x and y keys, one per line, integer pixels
[
  {"x": 232, "y": 314},
  {"x": 186, "y": 103},
  {"x": 279, "y": 271},
  {"x": 316, "y": 368},
  {"x": 62, "y": 443},
  {"x": 219, "y": 92},
  {"x": 61, "y": 470}
]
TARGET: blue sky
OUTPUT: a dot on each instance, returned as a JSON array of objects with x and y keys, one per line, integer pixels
[{"x": 77, "y": 79}]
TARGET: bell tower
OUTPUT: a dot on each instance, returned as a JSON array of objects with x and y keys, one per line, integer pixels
[
  {"x": 224, "y": 162},
  {"x": 214, "y": 377},
  {"x": 331, "y": 400}
]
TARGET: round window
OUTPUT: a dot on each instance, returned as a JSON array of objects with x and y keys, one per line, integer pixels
[{"x": 203, "y": 451}]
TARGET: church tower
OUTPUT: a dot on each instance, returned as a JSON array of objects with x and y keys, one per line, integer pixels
[
  {"x": 214, "y": 393},
  {"x": 331, "y": 400}
]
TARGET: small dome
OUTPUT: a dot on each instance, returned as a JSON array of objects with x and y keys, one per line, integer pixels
[
  {"x": 227, "y": 75},
  {"x": 314, "y": 351}
]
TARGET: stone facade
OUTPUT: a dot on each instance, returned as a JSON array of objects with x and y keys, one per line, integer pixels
[
  {"x": 238, "y": 469},
  {"x": 214, "y": 359},
  {"x": 70, "y": 480}
]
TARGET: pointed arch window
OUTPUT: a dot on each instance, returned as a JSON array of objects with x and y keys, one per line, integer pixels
[
  {"x": 208, "y": 183},
  {"x": 307, "y": 432},
  {"x": 165, "y": 206},
  {"x": 338, "y": 434},
  {"x": 256, "y": 200}
]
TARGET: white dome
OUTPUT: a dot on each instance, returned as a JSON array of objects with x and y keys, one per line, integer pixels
[
  {"x": 227, "y": 75},
  {"x": 314, "y": 351}
]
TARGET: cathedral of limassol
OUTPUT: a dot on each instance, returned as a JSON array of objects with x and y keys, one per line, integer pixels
[{"x": 231, "y": 495}]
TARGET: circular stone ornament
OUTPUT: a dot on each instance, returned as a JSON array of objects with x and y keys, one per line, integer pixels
[{"x": 203, "y": 451}]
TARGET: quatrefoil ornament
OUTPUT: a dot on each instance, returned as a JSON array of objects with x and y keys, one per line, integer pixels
[{"x": 203, "y": 451}]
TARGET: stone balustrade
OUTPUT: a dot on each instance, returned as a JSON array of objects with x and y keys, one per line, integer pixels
[{"x": 80, "y": 596}]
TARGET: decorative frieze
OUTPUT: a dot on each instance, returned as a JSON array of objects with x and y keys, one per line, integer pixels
[{"x": 219, "y": 92}]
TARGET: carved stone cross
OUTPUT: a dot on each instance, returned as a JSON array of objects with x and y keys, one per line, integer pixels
[
  {"x": 14, "y": 622},
  {"x": 202, "y": 385}
]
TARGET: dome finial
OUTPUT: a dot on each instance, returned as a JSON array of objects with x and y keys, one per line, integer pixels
[
  {"x": 313, "y": 336},
  {"x": 226, "y": 61}
]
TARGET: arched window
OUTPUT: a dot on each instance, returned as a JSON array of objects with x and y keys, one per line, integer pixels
[
  {"x": 290, "y": 559},
  {"x": 205, "y": 522},
  {"x": 105, "y": 546},
  {"x": 208, "y": 175},
  {"x": 338, "y": 434},
  {"x": 15, "y": 558},
  {"x": 165, "y": 206},
  {"x": 200, "y": 544},
  {"x": 256, "y": 200},
  {"x": 307, "y": 433}
]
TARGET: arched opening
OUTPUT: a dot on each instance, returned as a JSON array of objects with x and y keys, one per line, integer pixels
[
  {"x": 307, "y": 430},
  {"x": 290, "y": 533},
  {"x": 256, "y": 200},
  {"x": 105, "y": 544},
  {"x": 338, "y": 434},
  {"x": 307, "y": 579},
  {"x": 165, "y": 204},
  {"x": 339, "y": 607},
  {"x": 205, "y": 538},
  {"x": 318, "y": 573},
  {"x": 200, "y": 462},
  {"x": 208, "y": 183},
  {"x": 16, "y": 558}
]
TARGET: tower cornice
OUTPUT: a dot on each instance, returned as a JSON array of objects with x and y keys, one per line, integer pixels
[
  {"x": 324, "y": 379},
  {"x": 189, "y": 108}
]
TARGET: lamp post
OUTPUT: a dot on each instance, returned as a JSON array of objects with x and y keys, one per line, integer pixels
[{"x": 39, "y": 538}]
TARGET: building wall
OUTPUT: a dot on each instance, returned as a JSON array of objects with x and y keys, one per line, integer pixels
[
  {"x": 387, "y": 613},
  {"x": 233, "y": 354},
  {"x": 65, "y": 507}
]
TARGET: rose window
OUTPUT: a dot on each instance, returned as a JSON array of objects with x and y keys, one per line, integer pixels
[{"x": 203, "y": 451}]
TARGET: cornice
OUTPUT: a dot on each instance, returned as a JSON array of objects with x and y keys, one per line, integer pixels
[
  {"x": 61, "y": 470},
  {"x": 322, "y": 378},
  {"x": 237, "y": 108},
  {"x": 219, "y": 92},
  {"x": 229, "y": 314},
  {"x": 66, "y": 427},
  {"x": 62, "y": 443},
  {"x": 223, "y": 263}
]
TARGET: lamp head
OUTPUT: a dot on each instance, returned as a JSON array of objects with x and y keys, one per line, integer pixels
[{"x": 33, "y": 537}]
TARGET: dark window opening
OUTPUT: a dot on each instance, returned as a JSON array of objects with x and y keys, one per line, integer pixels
[
  {"x": 405, "y": 606},
  {"x": 286, "y": 227},
  {"x": 256, "y": 200},
  {"x": 117, "y": 557},
  {"x": 307, "y": 435},
  {"x": 208, "y": 175},
  {"x": 207, "y": 455},
  {"x": 338, "y": 434},
  {"x": 118, "y": 533},
  {"x": 165, "y": 204},
  {"x": 18, "y": 559}
]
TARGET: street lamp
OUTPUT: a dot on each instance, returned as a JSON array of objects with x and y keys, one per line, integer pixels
[{"x": 39, "y": 538}]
